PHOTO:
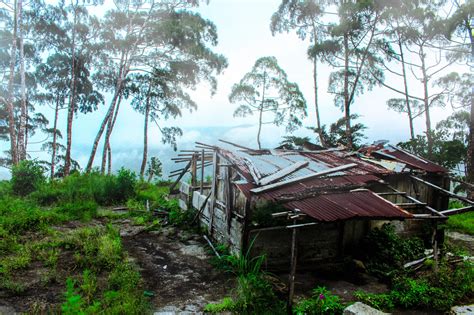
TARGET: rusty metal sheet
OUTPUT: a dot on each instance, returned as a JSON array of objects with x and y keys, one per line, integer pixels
[
  {"x": 349, "y": 205},
  {"x": 415, "y": 161}
]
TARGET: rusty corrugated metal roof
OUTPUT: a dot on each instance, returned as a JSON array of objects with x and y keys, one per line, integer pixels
[
  {"x": 330, "y": 197},
  {"x": 415, "y": 161},
  {"x": 412, "y": 161},
  {"x": 348, "y": 205}
]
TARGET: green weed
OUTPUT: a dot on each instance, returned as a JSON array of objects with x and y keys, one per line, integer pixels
[
  {"x": 321, "y": 302},
  {"x": 462, "y": 223}
]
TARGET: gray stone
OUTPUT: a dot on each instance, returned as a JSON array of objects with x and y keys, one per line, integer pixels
[
  {"x": 7, "y": 310},
  {"x": 466, "y": 309},
  {"x": 359, "y": 308}
]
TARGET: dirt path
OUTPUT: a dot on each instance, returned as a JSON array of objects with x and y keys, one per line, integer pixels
[{"x": 175, "y": 267}]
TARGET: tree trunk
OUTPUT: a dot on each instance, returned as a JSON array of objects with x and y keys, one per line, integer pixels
[
  {"x": 55, "y": 136},
  {"x": 109, "y": 158},
  {"x": 470, "y": 148},
  {"x": 106, "y": 147},
  {"x": 9, "y": 101},
  {"x": 407, "y": 100},
  {"x": 429, "y": 136},
  {"x": 72, "y": 96},
  {"x": 316, "y": 102},
  {"x": 347, "y": 109},
  {"x": 108, "y": 133},
  {"x": 110, "y": 111},
  {"x": 145, "y": 134},
  {"x": 260, "y": 115},
  {"x": 23, "y": 115}
]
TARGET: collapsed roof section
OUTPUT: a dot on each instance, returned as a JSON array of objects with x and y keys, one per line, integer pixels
[
  {"x": 400, "y": 160},
  {"x": 326, "y": 185}
]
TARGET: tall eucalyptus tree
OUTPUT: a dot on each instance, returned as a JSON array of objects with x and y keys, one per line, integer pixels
[
  {"x": 143, "y": 35},
  {"x": 266, "y": 89},
  {"x": 306, "y": 18}
]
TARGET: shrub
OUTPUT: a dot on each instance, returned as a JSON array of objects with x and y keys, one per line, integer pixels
[
  {"x": 126, "y": 181},
  {"x": 385, "y": 251},
  {"x": 379, "y": 301},
  {"x": 254, "y": 294},
  {"x": 85, "y": 210},
  {"x": 26, "y": 177},
  {"x": 321, "y": 302},
  {"x": 96, "y": 248},
  {"x": 18, "y": 216},
  {"x": 435, "y": 291}
]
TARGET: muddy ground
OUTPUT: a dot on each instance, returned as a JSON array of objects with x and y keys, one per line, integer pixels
[
  {"x": 174, "y": 265},
  {"x": 175, "y": 268}
]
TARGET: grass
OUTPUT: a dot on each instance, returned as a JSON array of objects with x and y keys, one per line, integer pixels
[
  {"x": 462, "y": 223},
  {"x": 89, "y": 261}
]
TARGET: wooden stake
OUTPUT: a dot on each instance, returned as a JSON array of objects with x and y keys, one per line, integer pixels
[
  {"x": 202, "y": 171},
  {"x": 291, "y": 280}
]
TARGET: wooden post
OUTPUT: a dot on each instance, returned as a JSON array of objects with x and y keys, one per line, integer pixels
[
  {"x": 193, "y": 171},
  {"x": 291, "y": 280},
  {"x": 213, "y": 192},
  {"x": 434, "y": 242},
  {"x": 202, "y": 172}
]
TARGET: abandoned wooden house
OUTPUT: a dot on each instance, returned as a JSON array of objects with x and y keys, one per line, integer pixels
[{"x": 318, "y": 203}]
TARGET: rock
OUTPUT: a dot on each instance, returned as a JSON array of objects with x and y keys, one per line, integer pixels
[
  {"x": 359, "y": 308},
  {"x": 466, "y": 309},
  {"x": 7, "y": 310},
  {"x": 359, "y": 266}
]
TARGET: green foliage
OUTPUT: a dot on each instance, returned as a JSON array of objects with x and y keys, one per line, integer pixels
[
  {"x": 335, "y": 135},
  {"x": 262, "y": 214},
  {"x": 79, "y": 210},
  {"x": 95, "y": 248},
  {"x": 252, "y": 94},
  {"x": 226, "y": 305},
  {"x": 178, "y": 216},
  {"x": 463, "y": 222},
  {"x": 254, "y": 294},
  {"x": 105, "y": 190},
  {"x": 385, "y": 251},
  {"x": 18, "y": 216},
  {"x": 27, "y": 176},
  {"x": 434, "y": 290},
  {"x": 321, "y": 302},
  {"x": 379, "y": 301},
  {"x": 20, "y": 260},
  {"x": 74, "y": 302}
]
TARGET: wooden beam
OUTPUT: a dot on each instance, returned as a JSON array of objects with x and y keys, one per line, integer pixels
[
  {"x": 410, "y": 204},
  {"x": 213, "y": 193},
  {"x": 180, "y": 176},
  {"x": 302, "y": 178},
  {"x": 237, "y": 145},
  {"x": 202, "y": 171},
  {"x": 443, "y": 190},
  {"x": 283, "y": 172},
  {"x": 392, "y": 193},
  {"x": 457, "y": 211}
]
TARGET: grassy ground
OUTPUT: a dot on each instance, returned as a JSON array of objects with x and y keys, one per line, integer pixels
[{"x": 462, "y": 223}]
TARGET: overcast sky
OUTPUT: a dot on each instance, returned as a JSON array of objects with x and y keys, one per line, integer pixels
[{"x": 244, "y": 36}]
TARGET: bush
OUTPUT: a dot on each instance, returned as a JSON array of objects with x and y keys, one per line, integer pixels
[
  {"x": 254, "y": 294},
  {"x": 379, "y": 301},
  {"x": 96, "y": 248},
  {"x": 85, "y": 210},
  {"x": 18, "y": 216},
  {"x": 27, "y": 176},
  {"x": 385, "y": 251},
  {"x": 105, "y": 190},
  {"x": 322, "y": 302},
  {"x": 435, "y": 291}
]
